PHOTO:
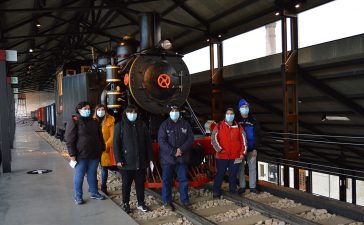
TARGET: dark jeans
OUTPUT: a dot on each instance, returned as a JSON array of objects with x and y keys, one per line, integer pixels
[
  {"x": 222, "y": 165},
  {"x": 89, "y": 167},
  {"x": 128, "y": 176},
  {"x": 167, "y": 177}
]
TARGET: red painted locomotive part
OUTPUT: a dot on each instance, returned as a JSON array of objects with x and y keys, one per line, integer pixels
[{"x": 197, "y": 175}]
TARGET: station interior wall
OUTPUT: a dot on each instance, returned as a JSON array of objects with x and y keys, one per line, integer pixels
[{"x": 35, "y": 100}]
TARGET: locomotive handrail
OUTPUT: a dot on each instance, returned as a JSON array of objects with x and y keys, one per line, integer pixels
[{"x": 195, "y": 118}]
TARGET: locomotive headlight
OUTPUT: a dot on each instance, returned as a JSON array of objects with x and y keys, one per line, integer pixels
[{"x": 166, "y": 44}]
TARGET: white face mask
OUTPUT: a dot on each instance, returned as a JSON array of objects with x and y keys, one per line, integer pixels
[
  {"x": 244, "y": 111},
  {"x": 174, "y": 116},
  {"x": 85, "y": 112},
  {"x": 131, "y": 116},
  {"x": 100, "y": 113},
  {"x": 229, "y": 117}
]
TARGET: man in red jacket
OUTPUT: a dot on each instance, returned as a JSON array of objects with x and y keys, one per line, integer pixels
[{"x": 228, "y": 139}]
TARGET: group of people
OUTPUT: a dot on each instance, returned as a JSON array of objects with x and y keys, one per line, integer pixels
[{"x": 126, "y": 143}]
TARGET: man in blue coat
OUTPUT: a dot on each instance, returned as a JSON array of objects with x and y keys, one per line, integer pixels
[
  {"x": 252, "y": 132},
  {"x": 175, "y": 139}
]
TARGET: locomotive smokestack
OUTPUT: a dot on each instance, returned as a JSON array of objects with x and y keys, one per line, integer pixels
[{"x": 150, "y": 30}]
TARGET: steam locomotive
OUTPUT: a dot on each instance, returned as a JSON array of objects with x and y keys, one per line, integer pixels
[{"x": 148, "y": 74}]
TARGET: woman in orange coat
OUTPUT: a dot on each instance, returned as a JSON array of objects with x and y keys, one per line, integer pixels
[{"x": 107, "y": 158}]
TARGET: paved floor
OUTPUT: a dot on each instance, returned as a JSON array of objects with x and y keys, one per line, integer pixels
[{"x": 47, "y": 199}]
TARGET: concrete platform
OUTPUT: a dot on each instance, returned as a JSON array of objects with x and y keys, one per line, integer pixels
[{"x": 47, "y": 199}]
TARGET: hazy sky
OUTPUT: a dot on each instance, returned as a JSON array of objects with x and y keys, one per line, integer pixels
[{"x": 335, "y": 20}]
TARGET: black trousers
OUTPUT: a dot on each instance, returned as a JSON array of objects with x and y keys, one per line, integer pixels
[{"x": 128, "y": 176}]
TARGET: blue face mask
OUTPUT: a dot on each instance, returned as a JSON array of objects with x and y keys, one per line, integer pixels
[
  {"x": 244, "y": 111},
  {"x": 85, "y": 112},
  {"x": 100, "y": 113},
  {"x": 131, "y": 116},
  {"x": 229, "y": 117},
  {"x": 174, "y": 116}
]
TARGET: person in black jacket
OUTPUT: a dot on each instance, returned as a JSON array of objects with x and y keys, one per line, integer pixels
[
  {"x": 85, "y": 144},
  {"x": 175, "y": 138},
  {"x": 133, "y": 152}
]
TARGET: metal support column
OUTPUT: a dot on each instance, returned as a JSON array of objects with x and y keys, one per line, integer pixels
[
  {"x": 290, "y": 112},
  {"x": 342, "y": 188},
  {"x": 309, "y": 182},
  {"x": 279, "y": 176},
  {"x": 4, "y": 117},
  {"x": 353, "y": 187},
  {"x": 217, "y": 105}
]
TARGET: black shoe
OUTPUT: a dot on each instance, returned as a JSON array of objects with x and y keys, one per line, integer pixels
[
  {"x": 169, "y": 206},
  {"x": 143, "y": 208},
  {"x": 241, "y": 190},
  {"x": 126, "y": 207},
  {"x": 186, "y": 205},
  {"x": 253, "y": 190}
]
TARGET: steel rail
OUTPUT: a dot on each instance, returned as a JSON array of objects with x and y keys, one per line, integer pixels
[
  {"x": 191, "y": 216},
  {"x": 266, "y": 209}
]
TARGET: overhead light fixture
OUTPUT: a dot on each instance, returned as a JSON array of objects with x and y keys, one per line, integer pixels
[
  {"x": 219, "y": 35},
  {"x": 277, "y": 14},
  {"x": 334, "y": 118},
  {"x": 38, "y": 25},
  {"x": 30, "y": 50},
  {"x": 297, "y": 5}
]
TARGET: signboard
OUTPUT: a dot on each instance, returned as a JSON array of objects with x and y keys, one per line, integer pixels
[
  {"x": 15, "y": 90},
  {"x": 14, "y": 80},
  {"x": 11, "y": 55}
]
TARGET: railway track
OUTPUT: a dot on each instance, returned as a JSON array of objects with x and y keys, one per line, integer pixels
[
  {"x": 231, "y": 209},
  {"x": 203, "y": 210},
  {"x": 228, "y": 210}
]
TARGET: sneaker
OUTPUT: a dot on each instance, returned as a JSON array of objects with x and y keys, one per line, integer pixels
[
  {"x": 126, "y": 207},
  {"x": 241, "y": 190},
  {"x": 97, "y": 196},
  {"x": 143, "y": 208},
  {"x": 169, "y": 206},
  {"x": 79, "y": 201}
]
